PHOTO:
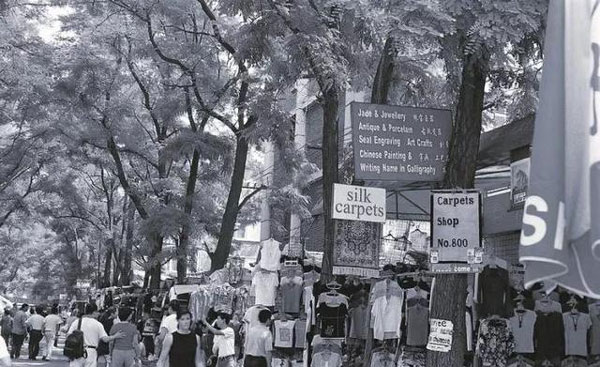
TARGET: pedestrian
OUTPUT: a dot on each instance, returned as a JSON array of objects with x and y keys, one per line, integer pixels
[
  {"x": 168, "y": 325},
  {"x": 259, "y": 342},
  {"x": 6, "y": 325},
  {"x": 182, "y": 348},
  {"x": 51, "y": 326},
  {"x": 4, "y": 355},
  {"x": 107, "y": 319},
  {"x": 93, "y": 333},
  {"x": 125, "y": 351},
  {"x": 35, "y": 324},
  {"x": 19, "y": 330},
  {"x": 224, "y": 340}
]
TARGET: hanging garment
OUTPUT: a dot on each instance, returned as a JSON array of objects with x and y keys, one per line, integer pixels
[
  {"x": 291, "y": 290},
  {"x": 417, "y": 322},
  {"x": 595, "y": 330},
  {"x": 419, "y": 240},
  {"x": 495, "y": 343},
  {"x": 359, "y": 326},
  {"x": 573, "y": 361},
  {"x": 469, "y": 329},
  {"x": 411, "y": 357},
  {"x": 386, "y": 312},
  {"x": 284, "y": 333},
  {"x": 332, "y": 319},
  {"x": 265, "y": 287},
  {"x": 326, "y": 359},
  {"x": 333, "y": 345},
  {"x": 521, "y": 362},
  {"x": 300, "y": 334},
  {"x": 270, "y": 255},
  {"x": 383, "y": 359},
  {"x": 522, "y": 324},
  {"x": 549, "y": 336},
  {"x": 493, "y": 292},
  {"x": 416, "y": 292},
  {"x": 547, "y": 306},
  {"x": 279, "y": 362},
  {"x": 577, "y": 326}
]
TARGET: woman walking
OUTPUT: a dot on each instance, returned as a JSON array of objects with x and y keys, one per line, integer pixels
[
  {"x": 6, "y": 325},
  {"x": 182, "y": 348}
]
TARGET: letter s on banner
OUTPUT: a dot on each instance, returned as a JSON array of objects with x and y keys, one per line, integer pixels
[{"x": 538, "y": 224}]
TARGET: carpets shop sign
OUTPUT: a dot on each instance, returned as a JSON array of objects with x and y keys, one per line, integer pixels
[{"x": 365, "y": 204}]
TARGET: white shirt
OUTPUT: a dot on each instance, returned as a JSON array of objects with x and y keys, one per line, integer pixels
[
  {"x": 93, "y": 331},
  {"x": 270, "y": 254},
  {"x": 259, "y": 341},
  {"x": 3, "y": 349},
  {"x": 51, "y": 323},
  {"x": 169, "y": 323},
  {"x": 387, "y": 316},
  {"x": 265, "y": 288},
  {"x": 36, "y": 322},
  {"x": 224, "y": 345},
  {"x": 251, "y": 316}
]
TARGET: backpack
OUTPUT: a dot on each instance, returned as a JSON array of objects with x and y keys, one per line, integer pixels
[{"x": 74, "y": 344}]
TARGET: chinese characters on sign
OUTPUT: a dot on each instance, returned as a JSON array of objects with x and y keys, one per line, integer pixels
[
  {"x": 399, "y": 143},
  {"x": 455, "y": 231}
]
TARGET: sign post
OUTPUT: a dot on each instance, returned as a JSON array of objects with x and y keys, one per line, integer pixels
[{"x": 456, "y": 232}]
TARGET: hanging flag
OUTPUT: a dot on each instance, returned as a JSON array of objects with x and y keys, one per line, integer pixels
[{"x": 560, "y": 239}]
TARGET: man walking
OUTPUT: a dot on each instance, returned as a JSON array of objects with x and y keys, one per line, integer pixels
[
  {"x": 93, "y": 333},
  {"x": 19, "y": 330},
  {"x": 259, "y": 342},
  {"x": 35, "y": 324},
  {"x": 51, "y": 325}
]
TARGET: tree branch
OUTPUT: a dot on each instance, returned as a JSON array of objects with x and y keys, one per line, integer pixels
[{"x": 250, "y": 195}]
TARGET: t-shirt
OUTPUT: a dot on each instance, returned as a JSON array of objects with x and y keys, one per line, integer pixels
[
  {"x": 92, "y": 329},
  {"x": 224, "y": 345},
  {"x": 259, "y": 341},
  {"x": 417, "y": 319},
  {"x": 595, "y": 333},
  {"x": 300, "y": 334},
  {"x": 326, "y": 359},
  {"x": 284, "y": 333},
  {"x": 522, "y": 324},
  {"x": 129, "y": 330},
  {"x": 265, "y": 288},
  {"x": 270, "y": 254},
  {"x": 251, "y": 315},
  {"x": 3, "y": 349},
  {"x": 36, "y": 322},
  {"x": 576, "y": 330},
  {"x": 291, "y": 289},
  {"x": 169, "y": 323},
  {"x": 549, "y": 335},
  {"x": 333, "y": 320},
  {"x": 51, "y": 323}
]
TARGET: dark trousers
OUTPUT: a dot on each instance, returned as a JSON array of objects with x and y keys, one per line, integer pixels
[
  {"x": 17, "y": 344},
  {"x": 6, "y": 337},
  {"x": 252, "y": 361},
  {"x": 35, "y": 337}
]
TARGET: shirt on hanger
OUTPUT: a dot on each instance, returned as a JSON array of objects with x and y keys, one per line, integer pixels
[
  {"x": 270, "y": 254},
  {"x": 265, "y": 287},
  {"x": 576, "y": 327},
  {"x": 326, "y": 359},
  {"x": 332, "y": 319},
  {"x": 383, "y": 359},
  {"x": 291, "y": 290},
  {"x": 417, "y": 324},
  {"x": 386, "y": 312},
  {"x": 547, "y": 306},
  {"x": 284, "y": 333},
  {"x": 548, "y": 335},
  {"x": 495, "y": 343},
  {"x": 595, "y": 329},
  {"x": 494, "y": 291},
  {"x": 522, "y": 324}
]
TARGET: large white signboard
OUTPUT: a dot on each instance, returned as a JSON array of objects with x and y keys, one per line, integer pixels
[
  {"x": 455, "y": 230},
  {"x": 360, "y": 203}
]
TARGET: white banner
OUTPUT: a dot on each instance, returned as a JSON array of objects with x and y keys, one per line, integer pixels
[
  {"x": 365, "y": 204},
  {"x": 440, "y": 335}
]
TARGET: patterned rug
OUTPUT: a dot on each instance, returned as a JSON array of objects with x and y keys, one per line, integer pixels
[{"x": 356, "y": 248}]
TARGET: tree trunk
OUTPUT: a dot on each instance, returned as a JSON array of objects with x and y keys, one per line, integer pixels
[
  {"x": 184, "y": 237},
  {"x": 385, "y": 73},
  {"x": 127, "y": 257},
  {"x": 107, "y": 264},
  {"x": 146, "y": 279},
  {"x": 118, "y": 266},
  {"x": 450, "y": 291},
  {"x": 156, "y": 241},
  {"x": 219, "y": 258},
  {"x": 330, "y": 173}
]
